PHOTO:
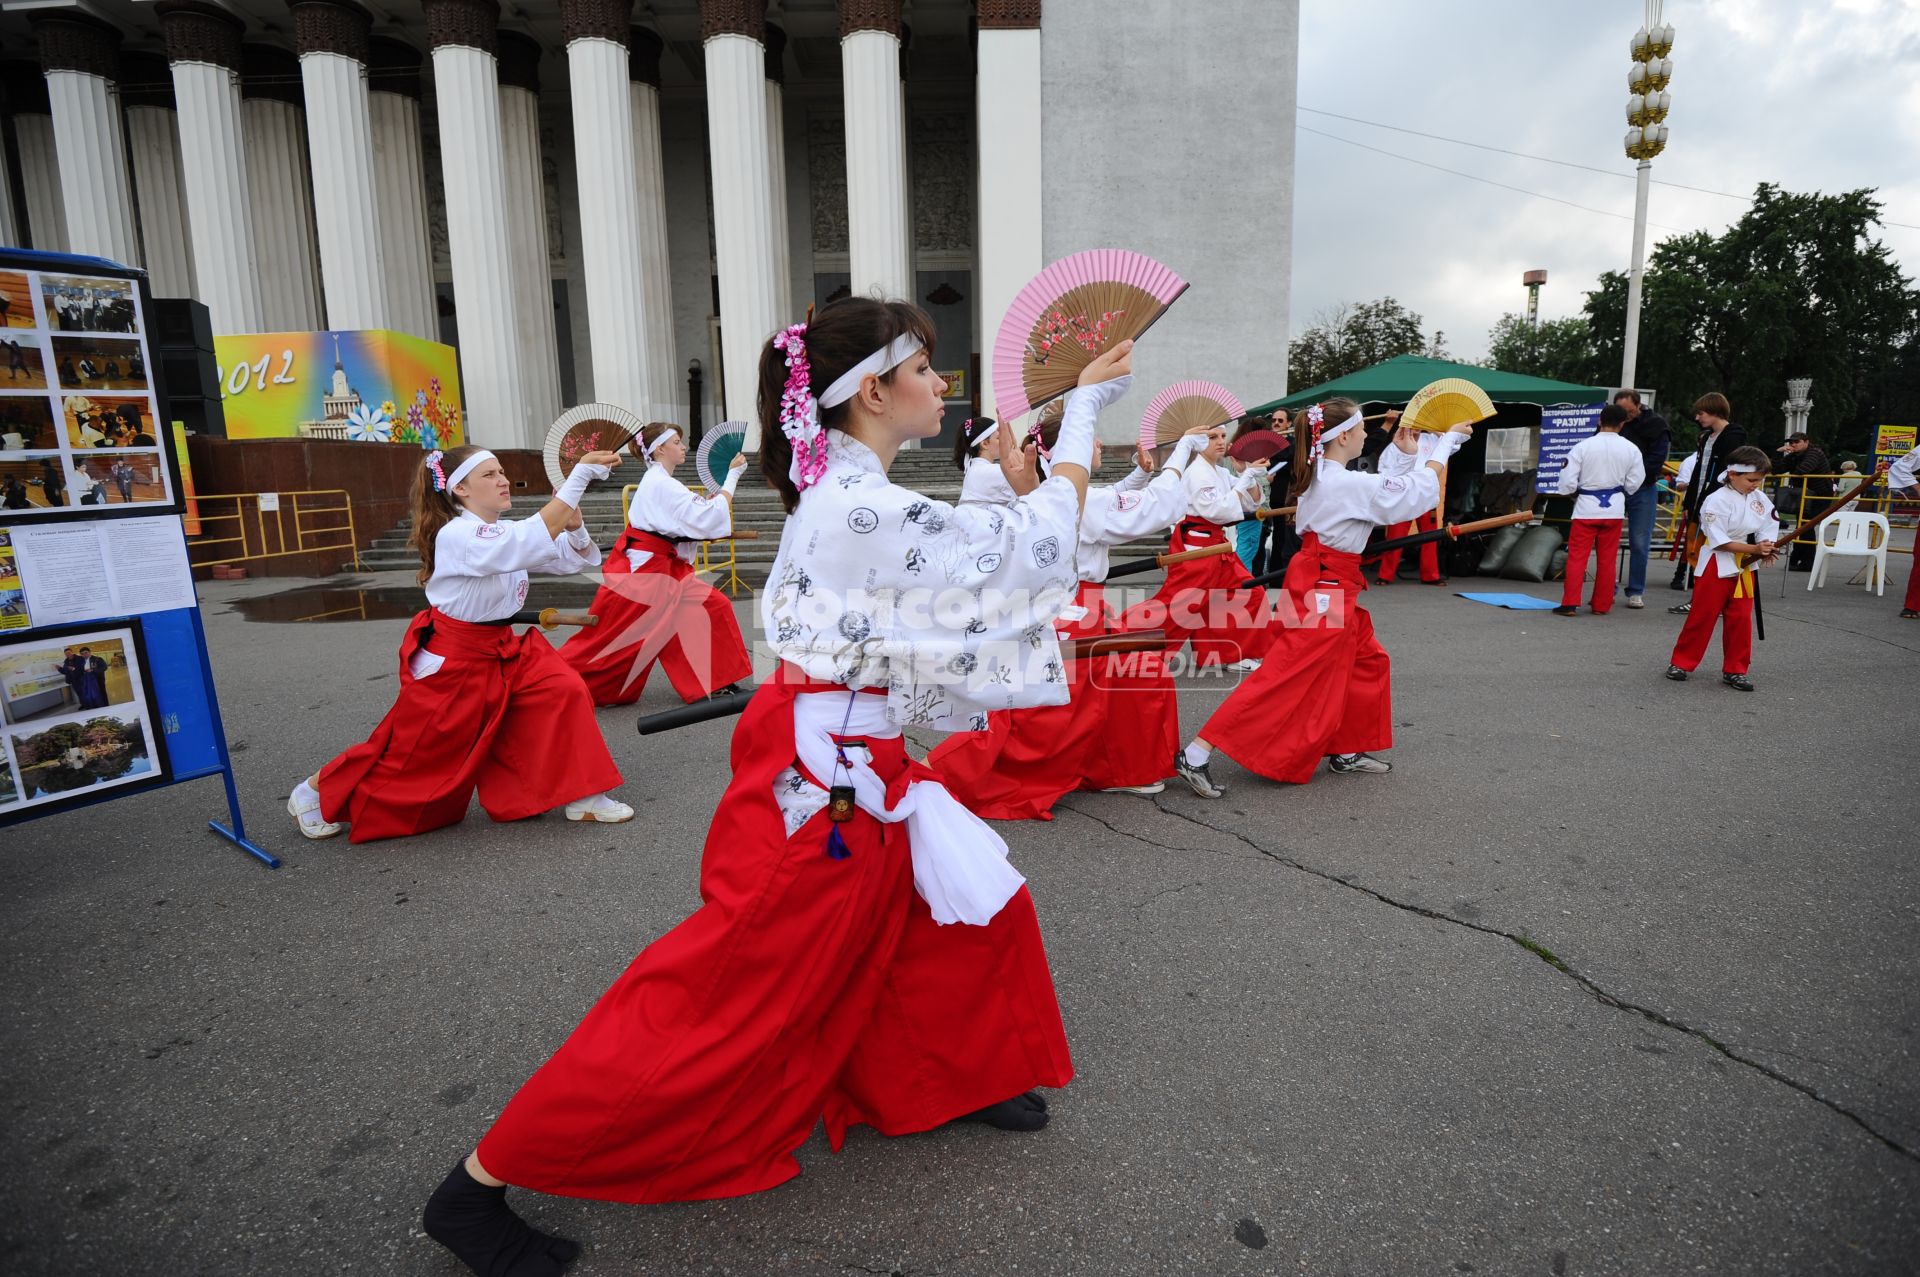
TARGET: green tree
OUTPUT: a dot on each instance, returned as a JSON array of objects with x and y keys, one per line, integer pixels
[
  {"x": 1562, "y": 349},
  {"x": 1356, "y": 335},
  {"x": 1798, "y": 287}
]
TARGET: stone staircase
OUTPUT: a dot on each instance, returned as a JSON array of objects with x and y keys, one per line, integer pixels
[{"x": 755, "y": 506}]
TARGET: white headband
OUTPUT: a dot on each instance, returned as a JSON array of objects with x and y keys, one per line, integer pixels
[
  {"x": 1735, "y": 470},
  {"x": 646, "y": 449},
  {"x": 1327, "y": 436},
  {"x": 466, "y": 468},
  {"x": 985, "y": 427},
  {"x": 878, "y": 364}
]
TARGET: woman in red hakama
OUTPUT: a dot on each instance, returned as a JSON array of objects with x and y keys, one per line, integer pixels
[
  {"x": 883, "y": 968},
  {"x": 480, "y": 706},
  {"x": 1325, "y": 689},
  {"x": 1201, "y": 601},
  {"x": 651, "y": 605}
]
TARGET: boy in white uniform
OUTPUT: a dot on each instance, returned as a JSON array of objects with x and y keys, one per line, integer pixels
[
  {"x": 1723, "y": 584},
  {"x": 1604, "y": 470}
]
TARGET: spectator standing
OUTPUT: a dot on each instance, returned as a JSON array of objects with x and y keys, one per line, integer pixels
[
  {"x": 1801, "y": 456},
  {"x": 1850, "y": 477},
  {"x": 1648, "y": 431}
]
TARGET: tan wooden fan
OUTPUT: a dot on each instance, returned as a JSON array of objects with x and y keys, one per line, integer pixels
[{"x": 1441, "y": 405}]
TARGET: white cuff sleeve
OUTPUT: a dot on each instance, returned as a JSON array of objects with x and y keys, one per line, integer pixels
[
  {"x": 1074, "y": 446},
  {"x": 570, "y": 492},
  {"x": 731, "y": 483}
]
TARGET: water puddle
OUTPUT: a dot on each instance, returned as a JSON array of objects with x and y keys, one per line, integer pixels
[{"x": 385, "y": 603}]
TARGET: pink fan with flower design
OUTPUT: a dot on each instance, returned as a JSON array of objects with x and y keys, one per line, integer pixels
[
  {"x": 1184, "y": 405},
  {"x": 1068, "y": 315}
]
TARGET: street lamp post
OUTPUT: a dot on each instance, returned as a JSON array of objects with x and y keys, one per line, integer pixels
[{"x": 1646, "y": 137}]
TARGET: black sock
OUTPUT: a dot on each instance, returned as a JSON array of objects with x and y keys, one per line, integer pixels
[
  {"x": 1025, "y": 1112},
  {"x": 476, "y": 1224}
]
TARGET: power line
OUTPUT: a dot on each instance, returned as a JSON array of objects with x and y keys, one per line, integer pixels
[
  {"x": 1474, "y": 177},
  {"x": 1545, "y": 159}
]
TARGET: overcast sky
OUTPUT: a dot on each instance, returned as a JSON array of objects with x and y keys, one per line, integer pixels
[{"x": 1812, "y": 96}]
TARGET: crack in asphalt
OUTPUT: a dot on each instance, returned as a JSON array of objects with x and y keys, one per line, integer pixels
[{"x": 1526, "y": 942}]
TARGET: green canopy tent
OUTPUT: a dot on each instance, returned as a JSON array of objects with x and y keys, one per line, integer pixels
[{"x": 1399, "y": 378}]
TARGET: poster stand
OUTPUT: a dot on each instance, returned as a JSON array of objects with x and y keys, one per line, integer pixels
[{"x": 106, "y": 684}]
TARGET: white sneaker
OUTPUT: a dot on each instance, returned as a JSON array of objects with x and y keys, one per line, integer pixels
[
  {"x": 1246, "y": 665},
  {"x": 1156, "y": 787},
  {"x": 304, "y": 806},
  {"x": 601, "y": 809},
  {"x": 1363, "y": 764},
  {"x": 1636, "y": 601}
]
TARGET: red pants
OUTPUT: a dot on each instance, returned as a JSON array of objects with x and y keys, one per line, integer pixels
[
  {"x": 1121, "y": 727},
  {"x": 1913, "y": 589},
  {"x": 663, "y": 614},
  {"x": 804, "y": 987},
  {"x": 1201, "y": 602},
  {"x": 1429, "y": 553},
  {"x": 1715, "y": 596},
  {"x": 1588, "y": 536},
  {"x": 1325, "y": 688},
  {"x": 504, "y": 715}
]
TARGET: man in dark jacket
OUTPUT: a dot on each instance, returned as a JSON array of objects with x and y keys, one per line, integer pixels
[
  {"x": 1800, "y": 455},
  {"x": 1718, "y": 437},
  {"x": 1649, "y": 432}
]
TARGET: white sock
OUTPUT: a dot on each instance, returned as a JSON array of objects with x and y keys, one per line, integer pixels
[{"x": 1197, "y": 755}]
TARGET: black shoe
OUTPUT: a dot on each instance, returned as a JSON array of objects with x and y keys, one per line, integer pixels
[
  {"x": 1681, "y": 609},
  {"x": 1198, "y": 778},
  {"x": 731, "y": 689},
  {"x": 1566, "y": 611},
  {"x": 474, "y": 1221},
  {"x": 1677, "y": 674},
  {"x": 1737, "y": 681},
  {"x": 1025, "y": 1112}
]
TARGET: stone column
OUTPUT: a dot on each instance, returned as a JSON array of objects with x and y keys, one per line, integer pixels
[
  {"x": 776, "y": 41},
  {"x": 80, "y": 56},
  {"x": 656, "y": 262},
  {"x": 332, "y": 37},
  {"x": 26, "y": 87},
  {"x": 1008, "y": 112},
  {"x": 618, "y": 321},
  {"x": 467, "y": 95},
  {"x": 203, "y": 48},
  {"x": 877, "y": 243},
  {"x": 400, "y": 187},
  {"x": 742, "y": 210},
  {"x": 527, "y": 221},
  {"x": 280, "y": 191},
  {"x": 9, "y": 223},
  {"x": 160, "y": 192}
]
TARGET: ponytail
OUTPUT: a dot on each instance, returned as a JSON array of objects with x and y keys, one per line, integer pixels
[
  {"x": 434, "y": 508},
  {"x": 963, "y": 451},
  {"x": 1306, "y": 435}
]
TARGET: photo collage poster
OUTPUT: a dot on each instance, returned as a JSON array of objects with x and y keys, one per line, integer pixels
[
  {"x": 76, "y": 717},
  {"x": 80, "y": 431}
]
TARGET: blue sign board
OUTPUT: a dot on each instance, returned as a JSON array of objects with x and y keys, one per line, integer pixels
[{"x": 1560, "y": 429}]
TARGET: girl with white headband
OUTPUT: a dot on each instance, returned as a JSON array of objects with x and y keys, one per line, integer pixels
[
  {"x": 1325, "y": 689},
  {"x": 864, "y": 953},
  {"x": 1201, "y": 600},
  {"x": 978, "y": 450},
  {"x": 1738, "y": 531},
  {"x": 480, "y": 706},
  {"x": 1123, "y": 722},
  {"x": 652, "y": 608}
]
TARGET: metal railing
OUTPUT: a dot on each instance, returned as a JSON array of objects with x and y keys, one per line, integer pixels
[{"x": 235, "y": 528}]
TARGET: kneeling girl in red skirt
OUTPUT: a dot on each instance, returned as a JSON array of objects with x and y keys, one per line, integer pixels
[{"x": 480, "y": 706}]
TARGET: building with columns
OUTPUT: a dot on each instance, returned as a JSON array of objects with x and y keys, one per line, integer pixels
[{"x": 604, "y": 199}]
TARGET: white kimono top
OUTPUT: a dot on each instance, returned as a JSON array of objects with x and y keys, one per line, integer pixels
[
  {"x": 667, "y": 507},
  {"x": 1726, "y": 516},
  {"x": 1219, "y": 497},
  {"x": 1902, "y": 473},
  {"x": 1604, "y": 469},
  {"x": 1344, "y": 507},
  {"x": 1137, "y": 506},
  {"x": 480, "y": 568},
  {"x": 951, "y": 608},
  {"x": 984, "y": 484}
]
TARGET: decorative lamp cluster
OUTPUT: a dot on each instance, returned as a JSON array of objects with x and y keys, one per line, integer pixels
[{"x": 1647, "y": 83}]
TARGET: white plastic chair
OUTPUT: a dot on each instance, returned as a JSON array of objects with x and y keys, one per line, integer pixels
[{"x": 1853, "y": 534}]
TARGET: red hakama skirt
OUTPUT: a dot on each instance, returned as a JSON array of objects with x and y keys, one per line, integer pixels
[
  {"x": 660, "y": 613},
  {"x": 804, "y": 987},
  {"x": 1326, "y": 686},
  {"x": 1201, "y": 602},
  {"x": 1728, "y": 600},
  {"x": 504, "y": 715},
  {"x": 1121, "y": 727}
]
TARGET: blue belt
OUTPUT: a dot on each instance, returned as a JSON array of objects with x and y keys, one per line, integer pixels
[{"x": 1606, "y": 495}]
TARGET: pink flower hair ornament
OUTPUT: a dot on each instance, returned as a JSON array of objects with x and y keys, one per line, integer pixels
[
  {"x": 433, "y": 466},
  {"x": 1316, "y": 421},
  {"x": 800, "y": 411}
]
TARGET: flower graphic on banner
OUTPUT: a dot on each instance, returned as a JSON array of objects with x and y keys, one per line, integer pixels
[
  {"x": 430, "y": 421},
  {"x": 369, "y": 425}
]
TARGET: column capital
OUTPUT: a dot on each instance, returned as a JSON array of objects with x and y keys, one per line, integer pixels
[
  {"x": 269, "y": 73},
  {"x": 472, "y": 24},
  {"x": 869, "y": 15},
  {"x": 73, "y": 41},
  {"x": 1009, "y": 15},
  {"x": 733, "y": 17},
  {"x": 201, "y": 33},
  {"x": 519, "y": 56},
  {"x": 596, "y": 20},
  {"x": 331, "y": 26},
  {"x": 776, "y": 42},
  {"x": 145, "y": 80},
  {"x": 393, "y": 66},
  {"x": 644, "y": 47}
]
